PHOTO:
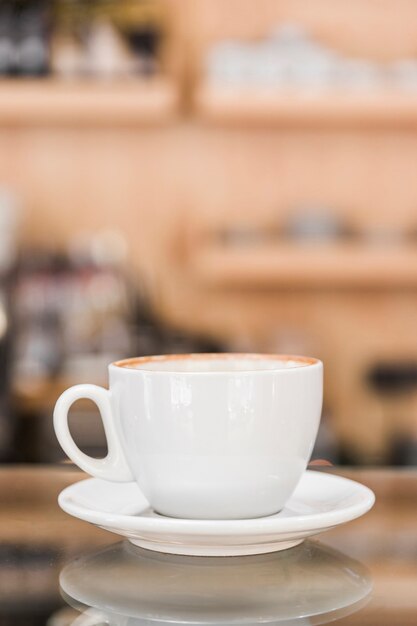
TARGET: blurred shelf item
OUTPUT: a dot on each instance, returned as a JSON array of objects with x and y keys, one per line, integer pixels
[
  {"x": 308, "y": 266},
  {"x": 241, "y": 106},
  {"x": 9, "y": 224},
  {"x": 24, "y": 39},
  {"x": 52, "y": 102},
  {"x": 9, "y": 234},
  {"x": 73, "y": 316},
  {"x": 110, "y": 38},
  {"x": 290, "y": 76}
]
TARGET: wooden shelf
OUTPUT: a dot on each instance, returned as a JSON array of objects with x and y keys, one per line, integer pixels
[
  {"x": 308, "y": 266},
  {"x": 53, "y": 102},
  {"x": 246, "y": 106}
]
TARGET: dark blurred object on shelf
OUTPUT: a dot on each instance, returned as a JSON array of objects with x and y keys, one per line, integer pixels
[
  {"x": 8, "y": 254},
  {"x": 310, "y": 223},
  {"x": 315, "y": 223},
  {"x": 144, "y": 41},
  {"x": 76, "y": 313},
  {"x": 24, "y": 38},
  {"x": 32, "y": 38},
  {"x": 71, "y": 316},
  {"x": 106, "y": 38},
  {"x": 143, "y": 25},
  {"x": 7, "y": 51},
  {"x": 74, "y": 38},
  {"x": 396, "y": 384},
  {"x": 404, "y": 451},
  {"x": 394, "y": 378}
]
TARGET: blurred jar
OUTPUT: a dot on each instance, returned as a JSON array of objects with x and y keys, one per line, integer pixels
[{"x": 70, "y": 19}]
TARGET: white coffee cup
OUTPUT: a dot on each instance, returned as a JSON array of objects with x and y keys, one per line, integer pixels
[{"x": 205, "y": 436}]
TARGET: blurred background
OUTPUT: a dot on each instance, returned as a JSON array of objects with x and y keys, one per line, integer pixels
[{"x": 209, "y": 175}]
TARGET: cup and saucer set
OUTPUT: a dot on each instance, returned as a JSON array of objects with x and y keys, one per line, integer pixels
[{"x": 207, "y": 455}]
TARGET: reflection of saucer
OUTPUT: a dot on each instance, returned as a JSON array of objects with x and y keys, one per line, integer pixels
[
  {"x": 320, "y": 501},
  {"x": 310, "y": 584}
]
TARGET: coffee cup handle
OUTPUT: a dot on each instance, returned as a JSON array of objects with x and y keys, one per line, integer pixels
[{"x": 113, "y": 466}]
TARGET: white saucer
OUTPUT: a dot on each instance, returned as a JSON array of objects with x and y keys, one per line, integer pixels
[{"x": 320, "y": 501}]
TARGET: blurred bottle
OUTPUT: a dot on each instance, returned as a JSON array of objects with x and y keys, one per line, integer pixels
[
  {"x": 73, "y": 314},
  {"x": 142, "y": 22},
  {"x": 107, "y": 38},
  {"x": 31, "y": 38},
  {"x": 9, "y": 211},
  {"x": 107, "y": 52},
  {"x": 70, "y": 23},
  {"x": 38, "y": 344},
  {"x": 7, "y": 47},
  {"x": 395, "y": 384},
  {"x": 312, "y": 223}
]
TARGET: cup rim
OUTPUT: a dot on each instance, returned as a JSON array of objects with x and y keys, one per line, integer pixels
[{"x": 130, "y": 364}]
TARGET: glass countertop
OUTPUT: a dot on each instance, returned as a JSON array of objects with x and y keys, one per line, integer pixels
[{"x": 59, "y": 571}]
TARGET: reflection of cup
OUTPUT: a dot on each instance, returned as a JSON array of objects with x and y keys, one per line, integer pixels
[
  {"x": 310, "y": 584},
  {"x": 212, "y": 436}
]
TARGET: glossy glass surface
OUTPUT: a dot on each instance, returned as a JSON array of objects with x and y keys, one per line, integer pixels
[{"x": 57, "y": 571}]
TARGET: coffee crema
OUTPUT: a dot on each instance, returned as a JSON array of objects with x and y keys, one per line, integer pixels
[{"x": 216, "y": 362}]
